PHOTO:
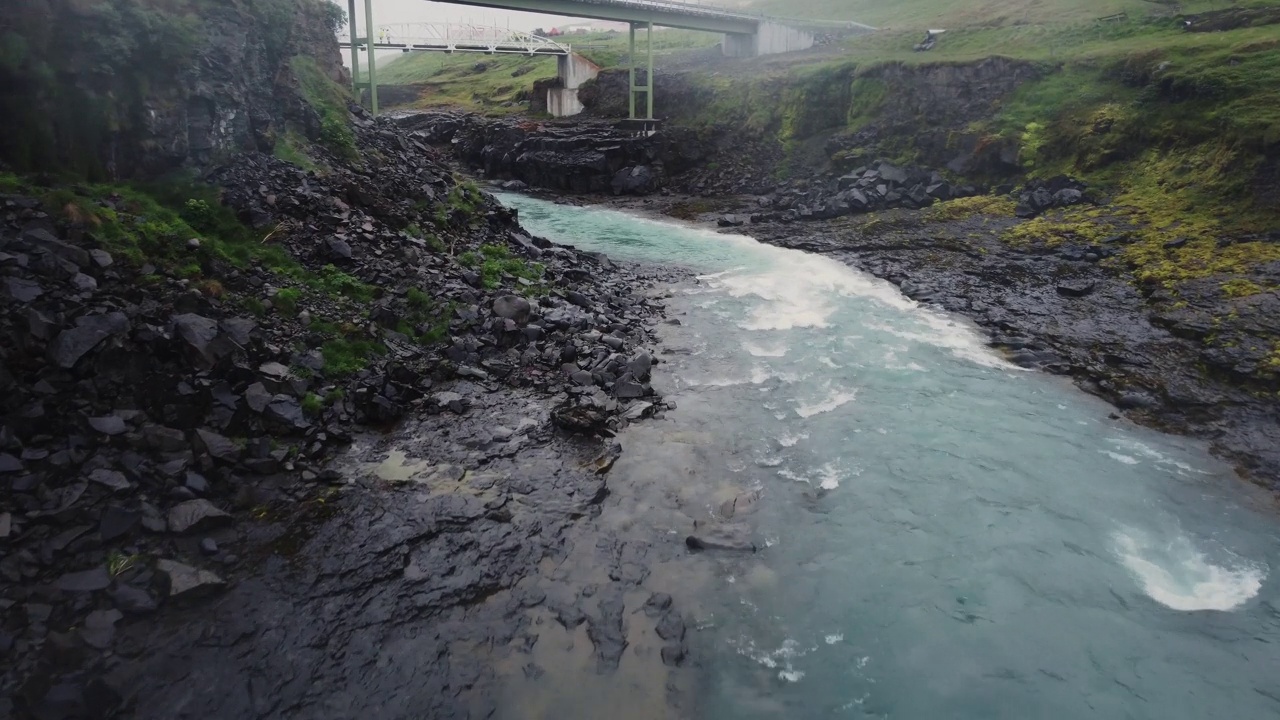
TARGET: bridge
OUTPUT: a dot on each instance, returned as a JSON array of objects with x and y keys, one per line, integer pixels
[
  {"x": 745, "y": 35},
  {"x": 457, "y": 37}
]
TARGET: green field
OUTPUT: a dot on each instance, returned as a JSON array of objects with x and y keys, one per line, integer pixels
[
  {"x": 921, "y": 14},
  {"x": 499, "y": 84}
]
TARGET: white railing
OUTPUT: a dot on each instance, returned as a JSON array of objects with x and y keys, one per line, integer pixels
[{"x": 459, "y": 37}]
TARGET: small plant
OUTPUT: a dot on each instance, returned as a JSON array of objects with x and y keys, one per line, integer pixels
[
  {"x": 286, "y": 300},
  {"x": 312, "y": 404},
  {"x": 417, "y": 299},
  {"x": 118, "y": 562},
  {"x": 344, "y": 356}
]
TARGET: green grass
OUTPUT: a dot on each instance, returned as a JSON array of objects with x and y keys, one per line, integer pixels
[
  {"x": 348, "y": 355},
  {"x": 286, "y": 300},
  {"x": 334, "y": 282},
  {"x": 493, "y": 262},
  {"x": 501, "y": 84},
  {"x": 329, "y": 100},
  {"x": 906, "y": 14},
  {"x": 152, "y": 222},
  {"x": 492, "y": 84},
  {"x": 291, "y": 147}
]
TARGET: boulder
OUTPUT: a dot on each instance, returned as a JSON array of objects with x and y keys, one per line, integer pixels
[
  {"x": 217, "y": 446},
  {"x": 1075, "y": 288},
  {"x": 337, "y": 249},
  {"x": 199, "y": 333},
  {"x": 184, "y": 581},
  {"x": 89, "y": 331},
  {"x": 721, "y": 537},
  {"x": 512, "y": 307},
  {"x": 195, "y": 516}
]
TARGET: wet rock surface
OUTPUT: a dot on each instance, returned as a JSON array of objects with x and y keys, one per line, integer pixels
[{"x": 170, "y": 466}]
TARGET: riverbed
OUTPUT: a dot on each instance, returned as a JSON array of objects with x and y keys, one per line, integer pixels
[{"x": 939, "y": 533}]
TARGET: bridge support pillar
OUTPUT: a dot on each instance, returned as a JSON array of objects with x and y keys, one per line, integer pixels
[
  {"x": 370, "y": 60},
  {"x": 770, "y": 38},
  {"x": 647, "y": 87}
]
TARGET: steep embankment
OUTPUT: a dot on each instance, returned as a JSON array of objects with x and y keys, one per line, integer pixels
[
  {"x": 186, "y": 352},
  {"x": 148, "y": 86}
]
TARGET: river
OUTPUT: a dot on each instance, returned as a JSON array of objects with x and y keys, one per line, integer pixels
[{"x": 943, "y": 535}]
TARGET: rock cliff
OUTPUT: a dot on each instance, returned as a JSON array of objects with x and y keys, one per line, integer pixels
[{"x": 146, "y": 87}]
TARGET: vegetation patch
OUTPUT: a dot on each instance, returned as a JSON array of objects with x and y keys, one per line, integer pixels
[
  {"x": 965, "y": 208},
  {"x": 493, "y": 262},
  {"x": 348, "y": 354},
  {"x": 329, "y": 100}
]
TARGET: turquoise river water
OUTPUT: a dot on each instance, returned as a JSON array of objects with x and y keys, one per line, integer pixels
[{"x": 945, "y": 535}]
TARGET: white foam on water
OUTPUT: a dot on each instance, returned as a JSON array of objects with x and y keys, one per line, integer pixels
[
  {"x": 1127, "y": 460},
  {"x": 829, "y": 362},
  {"x": 829, "y": 477},
  {"x": 770, "y": 352},
  {"x": 939, "y": 330},
  {"x": 1144, "y": 450},
  {"x": 1177, "y": 575},
  {"x": 834, "y": 638},
  {"x": 788, "y": 440},
  {"x": 717, "y": 382},
  {"x": 790, "y": 475},
  {"x": 722, "y": 273},
  {"x": 836, "y": 397},
  {"x": 791, "y": 675},
  {"x": 769, "y": 461}
]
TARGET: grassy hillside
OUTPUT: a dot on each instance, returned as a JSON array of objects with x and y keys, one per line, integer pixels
[
  {"x": 920, "y": 14},
  {"x": 499, "y": 84},
  {"x": 493, "y": 84}
]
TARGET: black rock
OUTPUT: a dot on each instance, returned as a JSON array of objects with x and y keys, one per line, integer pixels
[
  {"x": 199, "y": 333},
  {"x": 512, "y": 307},
  {"x": 108, "y": 425},
  {"x": 196, "y": 515},
  {"x": 721, "y": 537},
  {"x": 133, "y": 601},
  {"x": 90, "y": 330},
  {"x": 117, "y": 522},
  {"x": 338, "y": 249},
  {"x": 671, "y": 626},
  {"x": 1075, "y": 288},
  {"x": 84, "y": 581}
]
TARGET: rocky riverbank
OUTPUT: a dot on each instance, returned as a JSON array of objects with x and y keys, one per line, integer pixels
[
  {"x": 186, "y": 529},
  {"x": 1175, "y": 326}
]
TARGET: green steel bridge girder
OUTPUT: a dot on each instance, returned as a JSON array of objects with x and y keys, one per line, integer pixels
[{"x": 366, "y": 42}]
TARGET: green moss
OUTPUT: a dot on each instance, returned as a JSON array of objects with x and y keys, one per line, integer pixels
[
  {"x": 495, "y": 261},
  {"x": 1241, "y": 287},
  {"x": 344, "y": 356},
  {"x": 335, "y": 282},
  {"x": 312, "y": 404},
  {"x": 329, "y": 100},
  {"x": 964, "y": 208},
  {"x": 292, "y": 148},
  {"x": 286, "y": 300}
]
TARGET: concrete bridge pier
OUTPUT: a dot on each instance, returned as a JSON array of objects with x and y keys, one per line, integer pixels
[
  {"x": 770, "y": 38},
  {"x": 572, "y": 70}
]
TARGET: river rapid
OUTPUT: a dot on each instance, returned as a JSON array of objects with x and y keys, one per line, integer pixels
[{"x": 942, "y": 535}]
